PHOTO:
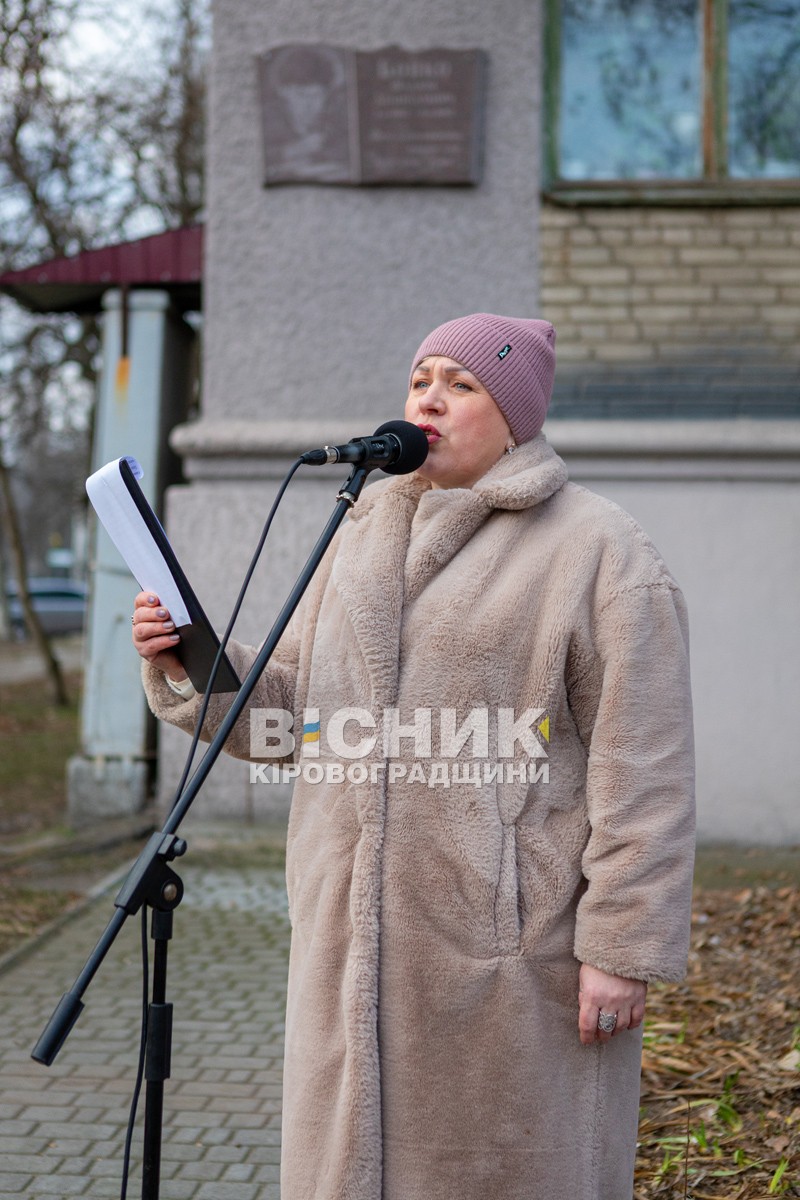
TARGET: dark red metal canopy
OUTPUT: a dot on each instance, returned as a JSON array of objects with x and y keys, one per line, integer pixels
[{"x": 172, "y": 261}]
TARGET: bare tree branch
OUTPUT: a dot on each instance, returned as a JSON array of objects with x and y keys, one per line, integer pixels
[{"x": 87, "y": 157}]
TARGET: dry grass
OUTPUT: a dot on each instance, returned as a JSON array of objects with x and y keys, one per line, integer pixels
[{"x": 36, "y": 739}]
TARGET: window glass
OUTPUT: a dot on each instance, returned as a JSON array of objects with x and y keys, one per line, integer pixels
[
  {"x": 630, "y": 89},
  {"x": 764, "y": 89}
]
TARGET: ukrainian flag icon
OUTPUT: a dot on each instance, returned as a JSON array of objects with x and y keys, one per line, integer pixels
[{"x": 311, "y": 738}]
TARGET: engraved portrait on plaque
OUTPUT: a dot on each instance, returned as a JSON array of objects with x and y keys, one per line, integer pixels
[{"x": 304, "y": 98}]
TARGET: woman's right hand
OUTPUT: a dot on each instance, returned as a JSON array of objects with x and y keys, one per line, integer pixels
[{"x": 154, "y": 636}]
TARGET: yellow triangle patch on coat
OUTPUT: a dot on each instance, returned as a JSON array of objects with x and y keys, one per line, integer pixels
[{"x": 544, "y": 728}]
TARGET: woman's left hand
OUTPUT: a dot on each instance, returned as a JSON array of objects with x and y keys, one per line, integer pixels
[{"x": 604, "y": 993}]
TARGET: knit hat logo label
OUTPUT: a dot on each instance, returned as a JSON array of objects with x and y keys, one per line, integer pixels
[{"x": 505, "y": 351}]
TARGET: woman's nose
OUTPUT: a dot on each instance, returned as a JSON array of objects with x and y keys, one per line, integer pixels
[{"x": 432, "y": 398}]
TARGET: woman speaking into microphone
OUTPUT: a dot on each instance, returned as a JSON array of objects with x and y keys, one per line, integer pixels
[{"x": 478, "y": 908}]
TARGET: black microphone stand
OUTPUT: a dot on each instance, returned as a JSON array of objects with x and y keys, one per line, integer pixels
[{"x": 152, "y": 881}]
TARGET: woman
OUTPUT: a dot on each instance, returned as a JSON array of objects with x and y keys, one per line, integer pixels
[{"x": 476, "y": 921}]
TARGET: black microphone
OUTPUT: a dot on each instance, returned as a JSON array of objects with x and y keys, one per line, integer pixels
[{"x": 397, "y": 447}]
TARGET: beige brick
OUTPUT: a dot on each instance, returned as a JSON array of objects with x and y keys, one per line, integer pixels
[
  {"x": 623, "y": 331},
  {"x": 646, "y": 256},
  {"x": 754, "y": 218},
  {"x": 553, "y": 274},
  {"x": 790, "y": 275},
  {"x": 771, "y": 254},
  {"x": 624, "y": 351},
  {"x": 729, "y": 314},
  {"x": 683, "y": 293},
  {"x": 562, "y": 294},
  {"x": 712, "y": 255},
  {"x": 659, "y": 335},
  {"x": 710, "y": 236},
  {"x": 583, "y": 235},
  {"x": 789, "y": 295},
  {"x": 617, "y": 295},
  {"x": 779, "y": 314},
  {"x": 754, "y": 295},
  {"x": 645, "y": 235},
  {"x": 786, "y": 333},
  {"x": 551, "y": 239},
  {"x": 786, "y": 217},
  {"x": 613, "y": 236},
  {"x": 773, "y": 237},
  {"x": 649, "y": 275},
  {"x": 588, "y": 256},
  {"x": 597, "y": 276},
  {"x": 594, "y": 333},
  {"x": 679, "y": 236},
  {"x": 690, "y": 332},
  {"x": 661, "y": 312},
  {"x": 739, "y": 274},
  {"x": 740, "y": 237},
  {"x": 606, "y": 312}
]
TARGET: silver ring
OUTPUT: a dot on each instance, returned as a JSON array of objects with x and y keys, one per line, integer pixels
[{"x": 606, "y": 1022}]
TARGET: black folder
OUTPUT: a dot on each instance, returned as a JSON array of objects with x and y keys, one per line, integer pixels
[{"x": 130, "y": 522}]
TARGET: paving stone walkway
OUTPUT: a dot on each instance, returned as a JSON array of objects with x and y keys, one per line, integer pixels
[{"x": 62, "y": 1128}]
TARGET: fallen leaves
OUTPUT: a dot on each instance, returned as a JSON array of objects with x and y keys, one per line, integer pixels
[{"x": 721, "y": 1062}]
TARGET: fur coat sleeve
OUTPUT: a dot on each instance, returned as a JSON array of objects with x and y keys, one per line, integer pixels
[
  {"x": 633, "y": 712},
  {"x": 278, "y": 688}
]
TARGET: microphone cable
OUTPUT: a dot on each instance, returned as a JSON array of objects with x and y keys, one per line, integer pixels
[{"x": 229, "y": 629}]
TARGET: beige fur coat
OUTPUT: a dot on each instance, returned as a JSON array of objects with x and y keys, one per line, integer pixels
[{"x": 432, "y": 1048}]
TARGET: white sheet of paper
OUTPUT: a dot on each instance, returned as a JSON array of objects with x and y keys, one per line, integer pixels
[{"x": 128, "y": 531}]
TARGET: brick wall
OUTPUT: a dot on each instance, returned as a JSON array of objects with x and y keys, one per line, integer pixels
[
  {"x": 645, "y": 294},
  {"x": 631, "y": 284}
]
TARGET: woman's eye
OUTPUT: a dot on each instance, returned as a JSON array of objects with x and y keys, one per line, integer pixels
[
  {"x": 464, "y": 386},
  {"x": 420, "y": 383}
]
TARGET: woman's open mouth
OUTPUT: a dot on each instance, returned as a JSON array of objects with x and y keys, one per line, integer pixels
[{"x": 431, "y": 433}]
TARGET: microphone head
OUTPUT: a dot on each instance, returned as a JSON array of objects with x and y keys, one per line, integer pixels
[{"x": 413, "y": 447}]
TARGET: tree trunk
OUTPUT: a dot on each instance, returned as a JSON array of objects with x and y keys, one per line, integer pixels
[
  {"x": 5, "y": 620},
  {"x": 51, "y": 663}
]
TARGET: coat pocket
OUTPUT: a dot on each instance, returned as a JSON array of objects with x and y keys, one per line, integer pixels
[{"x": 507, "y": 899}]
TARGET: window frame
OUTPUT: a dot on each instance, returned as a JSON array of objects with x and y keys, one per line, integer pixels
[{"x": 715, "y": 187}]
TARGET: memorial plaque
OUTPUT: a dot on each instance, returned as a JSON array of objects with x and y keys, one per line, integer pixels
[{"x": 389, "y": 116}]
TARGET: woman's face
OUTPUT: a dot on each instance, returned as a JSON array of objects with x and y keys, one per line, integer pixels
[{"x": 466, "y": 431}]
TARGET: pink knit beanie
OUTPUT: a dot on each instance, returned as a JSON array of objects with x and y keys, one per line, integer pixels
[{"x": 513, "y": 357}]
